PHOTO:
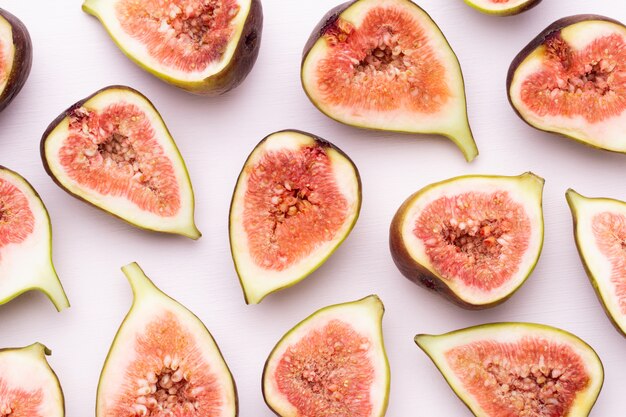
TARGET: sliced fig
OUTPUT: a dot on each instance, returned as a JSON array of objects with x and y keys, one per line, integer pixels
[
  {"x": 600, "y": 232},
  {"x": 333, "y": 363},
  {"x": 502, "y": 7},
  {"x": 16, "y": 57},
  {"x": 113, "y": 150},
  {"x": 296, "y": 200},
  {"x": 25, "y": 243},
  {"x": 571, "y": 80},
  {"x": 473, "y": 239},
  {"x": 207, "y": 47},
  {"x": 163, "y": 361},
  {"x": 28, "y": 386},
  {"x": 387, "y": 66},
  {"x": 518, "y": 369}
]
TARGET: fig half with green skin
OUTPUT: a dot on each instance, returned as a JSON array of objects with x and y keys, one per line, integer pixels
[
  {"x": 387, "y": 66},
  {"x": 25, "y": 243},
  {"x": 16, "y": 57},
  {"x": 163, "y": 361},
  {"x": 333, "y": 363},
  {"x": 113, "y": 150},
  {"x": 502, "y": 7},
  {"x": 600, "y": 232},
  {"x": 28, "y": 386},
  {"x": 473, "y": 239},
  {"x": 571, "y": 80},
  {"x": 206, "y": 47},
  {"x": 518, "y": 369},
  {"x": 296, "y": 200}
]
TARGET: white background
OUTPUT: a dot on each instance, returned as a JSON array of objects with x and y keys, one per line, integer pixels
[{"x": 73, "y": 57}]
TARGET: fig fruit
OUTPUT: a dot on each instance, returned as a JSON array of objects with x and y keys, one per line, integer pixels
[
  {"x": 502, "y": 7},
  {"x": 517, "y": 369},
  {"x": 296, "y": 200},
  {"x": 28, "y": 386},
  {"x": 16, "y": 57},
  {"x": 600, "y": 232},
  {"x": 387, "y": 66},
  {"x": 473, "y": 239},
  {"x": 25, "y": 243},
  {"x": 571, "y": 80},
  {"x": 113, "y": 150},
  {"x": 163, "y": 361},
  {"x": 206, "y": 47},
  {"x": 331, "y": 364}
]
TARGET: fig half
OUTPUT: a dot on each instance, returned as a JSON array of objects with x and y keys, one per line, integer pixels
[
  {"x": 331, "y": 364},
  {"x": 206, "y": 47},
  {"x": 473, "y": 239},
  {"x": 16, "y": 57},
  {"x": 502, "y": 7},
  {"x": 296, "y": 200},
  {"x": 387, "y": 66},
  {"x": 113, "y": 150},
  {"x": 163, "y": 361},
  {"x": 571, "y": 80},
  {"x": 518, "y": 369},
  {"x": 600, "y": 232}
]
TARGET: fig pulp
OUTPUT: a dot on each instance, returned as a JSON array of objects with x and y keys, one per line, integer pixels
[
  {"x": 25, "y": 243},
  {"x": 600, "y": 232},
  {"x": 331, "y": 364},
  {"x": 163, "y": 361},
  {"x": 387, "y": 66},
  {"x": 207, "y": 47},
  {"x": 296, "y": 200},
  {"x": 16, "y": 56},
  {"x": 28, "y": 386},
  {"x": 502, "y": 7},
  {"x": 571, "y": 80},
  {"x": 113, "y": 150},
  {"x": 473, "y": 239},
  {"x": 518, "y": 369}
]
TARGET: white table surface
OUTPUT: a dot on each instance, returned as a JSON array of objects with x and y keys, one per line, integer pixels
[{"x": 73, "y": 57}]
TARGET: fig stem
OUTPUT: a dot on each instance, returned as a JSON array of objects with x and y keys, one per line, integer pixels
[
  {"x": 37, "y": 349},
  {"x": 53, "y": 289},
  {"x": 138, "y": 280}
]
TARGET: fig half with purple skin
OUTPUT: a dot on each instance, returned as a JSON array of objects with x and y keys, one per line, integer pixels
[
  {"x": 502, "y": 7},
  {"x": 571, "y": 80},
  {"x": 333, "y": 363},
  {"x": 600, "y": 232},
  {"x": 113, "y": 150},
  {"x": 387, "y": 66},
  {"x": 473, "y": 239},
  {"x": 206, "y": 47},
  {"x": 518, "y": 369},
  {"x": 16, "y": 56}
]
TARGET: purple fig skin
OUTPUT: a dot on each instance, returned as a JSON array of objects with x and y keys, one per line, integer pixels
[
  {"x": 327, "y": 21},
  {"x": 22, "y": 59}
]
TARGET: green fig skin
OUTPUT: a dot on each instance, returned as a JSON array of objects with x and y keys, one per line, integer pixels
[{"x": 508, "y": 12}]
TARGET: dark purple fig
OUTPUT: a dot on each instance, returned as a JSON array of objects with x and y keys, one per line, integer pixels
[{"x": 16, "y": 56}]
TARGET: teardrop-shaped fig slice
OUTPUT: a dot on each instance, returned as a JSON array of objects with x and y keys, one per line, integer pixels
[
  {"x": 163, "y": 361},
  {"x": 205, "y": 47},
  {"x": 571, "y": 80},
  {"x": 387, "y": 66},
  {"x": 600, "y": 232},
  {"x": 16, "y": 56},
  {"x": 518, "y": 369},
  {"x": 25, "y": 243},
  {"x": 333, "y": 363},
  {"x": 28, "y": 386},
  {"x": 113, "y": 150},
  {"x": 296, "y": 200},
  {"x": 502, "y": 7},
  {"x": 473, "y": 239}
]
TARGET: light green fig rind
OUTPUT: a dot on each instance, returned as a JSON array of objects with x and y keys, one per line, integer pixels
[{"x": 511, "y": 11}]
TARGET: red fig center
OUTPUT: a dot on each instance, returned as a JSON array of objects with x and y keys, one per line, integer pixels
[
  {"x": 18, "y": 402},
  {"x": 17, "y": 221},
  {"x": 609, "y": 230},
  {"x": 4, "y": 71}
]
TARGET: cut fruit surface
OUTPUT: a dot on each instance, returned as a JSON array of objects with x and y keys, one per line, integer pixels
[
  {"x": 331, "y": 364},
  {"x": 28, "y": 386},
  {"x": 203, "y": 46},
  {"x": 502, "y": 7},
  {"x": 163, "y": 362},
  {"x": 600, "y": 232},
  {"x": 386, "y": 65},
  {"x": 15, "y": 57},
  {"x": 114, "y": 151},
  {"x": 473, "y": 239},
  {"x": 518, "y": 369},
  {"x": 571, "y": 80},
  {"x": 25, "y": 243},
  {"x": 297, "y": 198}
]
